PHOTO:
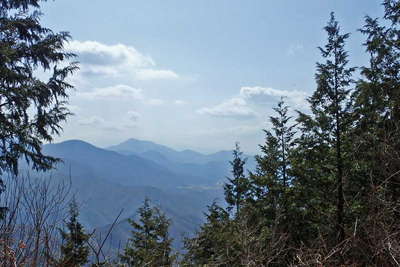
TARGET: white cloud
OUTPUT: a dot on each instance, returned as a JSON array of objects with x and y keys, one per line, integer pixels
[
  {"x": 262, "y": 95},
  {"x": 240, "y": 107},
  {"x": 128, "y": 121},
  {"x": 151, "y": 74},
  {"x": 120, "y": 92},
  {"x": 98, "y": 54},
  {"x": 234, "y": 107},
  {"x": 117, "y": 91},
  {"x": 117, "y": 60}
]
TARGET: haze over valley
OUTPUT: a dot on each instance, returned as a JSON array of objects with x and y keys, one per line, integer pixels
[
  {"x": 199, "y": 133},
  {"x": 106, "y": 180}
]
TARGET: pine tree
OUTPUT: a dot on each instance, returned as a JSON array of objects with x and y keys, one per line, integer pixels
[
  {"x": 150, "y": 244},
  {"x": 331, "y": 110},
  {"x": 237, "y": 186},
  {"x": 31, "y": 109},
  {"x": 74, "y": 249},
  {"x": 26, "y": 48}
]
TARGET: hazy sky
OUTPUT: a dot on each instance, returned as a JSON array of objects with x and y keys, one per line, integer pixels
[{"x": 194, "y": 74}]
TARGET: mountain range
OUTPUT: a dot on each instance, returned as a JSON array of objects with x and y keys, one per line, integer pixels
[{"x": 108, "y": 180}]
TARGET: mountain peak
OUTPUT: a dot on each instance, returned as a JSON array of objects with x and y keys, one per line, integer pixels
[
  {"x": 134, "y": 140},
  {"x": 73, "y": 143},
  {"x": 137, "y": 146}
]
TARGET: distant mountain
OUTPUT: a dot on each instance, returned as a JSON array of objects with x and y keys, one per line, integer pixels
[
  {"x": 185, "y": 209},
  {"x": 105, "y": 181},
  {"x": 101, "y": 201},
  {"x": 163, "y": 154},
  {"x": 129, "y": 170},
  {"x": 138, "y": 147}
]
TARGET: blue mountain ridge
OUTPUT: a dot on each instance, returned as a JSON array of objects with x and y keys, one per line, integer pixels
[{"x": 181, "y": 183}]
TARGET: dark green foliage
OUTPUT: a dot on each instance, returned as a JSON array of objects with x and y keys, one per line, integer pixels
[
  {"x": 330, "y": 120},
  {"x": 272, "y": 179},
  {"x": 329, "y": 196},
  {"x": 31, "y": 109},
  {"x": 150, "y": 244},
  {"x": 253, "y": 236},
  {"x": 74, "y": 249},
  {"x": 25, "y": 48},
  {"x": 237, "y": 186},
  {"x": 326, "y": 191},
  {"x": 211, "y": 244},
  {"x": 377, "y": 104}
]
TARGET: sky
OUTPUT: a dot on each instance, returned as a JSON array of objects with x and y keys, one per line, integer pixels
[{"x": 196, "y": 75}]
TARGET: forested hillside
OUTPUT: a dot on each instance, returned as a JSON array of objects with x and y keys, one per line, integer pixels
[
  {"x": 323, "y": 191},
  {"x": 326, "y": 188}
]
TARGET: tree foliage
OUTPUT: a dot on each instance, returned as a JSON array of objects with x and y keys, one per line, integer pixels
[
  {"x": 74, "y": 249},
  {"x": 31, "y": 109},
  {"x": 326, "y": 190},
  {"x": 237, "y": 187},
  {"x": 331, "y": 112},
  {"x": 150, "y": 244}
]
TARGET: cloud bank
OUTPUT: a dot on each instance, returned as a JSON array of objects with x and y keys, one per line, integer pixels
[
  {"x": 264, "y": 95},
  {"x": 117, "y": 60},
  {"x": 249, "y": 99},
  {"x": 234, "y": 108}
]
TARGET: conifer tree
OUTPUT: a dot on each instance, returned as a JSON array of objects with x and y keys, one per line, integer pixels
[
  {"x": 213, "y": 242},
  {"x": 284, "y": 133},
  {"x": 26, "y": 48},
  {"x": 341, "y": 172},
  {"x": 376, "y": 135},
  {"x": 31, "y": 109},
  {"x": 377, "y": 98},
  {"x": 150, "y": 244},
  {"x": 272, "y": 178},
  {"x": 331, "y": 110},
  {"x": 74, "y": 249},
  {"x": 269, "y": 211},
  {"x": 236, "y": 189}
]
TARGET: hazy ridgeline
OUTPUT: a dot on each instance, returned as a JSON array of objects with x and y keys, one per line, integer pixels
[{"x": 324, "y": 190}]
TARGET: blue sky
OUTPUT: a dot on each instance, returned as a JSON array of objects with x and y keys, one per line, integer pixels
[{"x": 194, "y": 74}]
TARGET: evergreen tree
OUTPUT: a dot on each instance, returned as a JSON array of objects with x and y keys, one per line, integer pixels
[
  {"x": 283, "y": 134},
  {"x": 270, "y": 183},
  {"x": 150, "y": 244},
  {"x": 74, "y": 249},
  {"x": 268, "y": 215},
  {"x": 331, "y": 110},
  {"x": 376, "y": 137},
  {"x": 237, "y": 186},
  {"x": 377, "y": 104},
  {"x": 212, "y": 244},
  {"x": 31, "y": 109},
  {"x": 340, "y": 174}
]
